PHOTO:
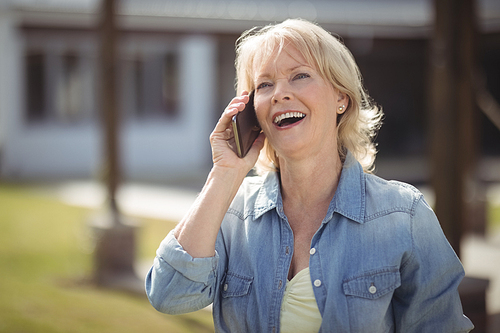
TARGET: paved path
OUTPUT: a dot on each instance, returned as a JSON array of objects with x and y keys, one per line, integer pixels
[{"x": 151, "y": 201}]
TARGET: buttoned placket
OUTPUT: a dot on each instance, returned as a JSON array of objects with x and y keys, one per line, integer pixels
[
  {"x": 284, "y": 261},
  {"x": 315, "y": 269},
  {"x": 317, "y": 282}
]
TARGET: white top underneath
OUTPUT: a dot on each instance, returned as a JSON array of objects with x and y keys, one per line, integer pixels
[{"x": 299, "y": 310}]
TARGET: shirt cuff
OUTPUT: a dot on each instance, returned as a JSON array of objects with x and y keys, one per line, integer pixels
[{"x": 195, "y": 269}]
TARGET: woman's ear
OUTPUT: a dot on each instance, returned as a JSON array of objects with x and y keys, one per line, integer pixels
[{"x": 343, "y": 103}]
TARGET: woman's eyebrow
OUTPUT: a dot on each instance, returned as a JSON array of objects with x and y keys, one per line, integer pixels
[
  {"x": 296, "y": 67},
  {"x": 289, "y": 70}
]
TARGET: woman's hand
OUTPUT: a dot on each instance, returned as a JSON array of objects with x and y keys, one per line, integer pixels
[{"x": 222, "y": 137}]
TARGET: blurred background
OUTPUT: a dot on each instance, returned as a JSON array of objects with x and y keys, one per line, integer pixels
[{"x": 75, "y": 146}]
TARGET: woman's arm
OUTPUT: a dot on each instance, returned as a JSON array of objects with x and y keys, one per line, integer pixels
[
  {"x": 428, "y": 299},
  {"x": 184, "y": 275},
  {"x": 197, "y": 231}
]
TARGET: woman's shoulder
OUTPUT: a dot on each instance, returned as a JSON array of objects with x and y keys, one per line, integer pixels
[
  {"x": 257, "y": 192},
  {"x": 251, "y": 186},
  {"x": 390, "y": 195}
]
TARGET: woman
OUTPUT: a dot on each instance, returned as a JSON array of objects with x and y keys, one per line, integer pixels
[{"x": 316, "y": 243}]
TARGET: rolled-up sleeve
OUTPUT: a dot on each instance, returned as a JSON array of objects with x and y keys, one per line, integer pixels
[
  {"x": 428, "y": 300},
  {"x": 178, "y": 283}
]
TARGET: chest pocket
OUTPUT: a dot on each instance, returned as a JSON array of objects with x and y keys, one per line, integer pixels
[
  {"x": 235, "y": 285},
  {"x": 373, "y": 284},
  {"x": 235, "y": 290},
  {"x": 369, "y": 297}
]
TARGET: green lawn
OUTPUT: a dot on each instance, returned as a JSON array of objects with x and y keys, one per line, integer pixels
[
  {"x": 45, "y": 265},
  {"x": 493, "y": 217}
]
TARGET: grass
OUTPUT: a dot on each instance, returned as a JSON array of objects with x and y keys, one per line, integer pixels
[
  {"x": 45, "y": 261},
  {"x": 493, "y": 218}
]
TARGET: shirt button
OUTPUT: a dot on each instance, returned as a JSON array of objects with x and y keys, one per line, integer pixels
[
  {"x": 225, "y": 287},
  {"x": 317, "y": 283},
  {"x": 372, "y": 289},
  {"x": 287, "y": 250},
  {"x": 312, "y": 251}
]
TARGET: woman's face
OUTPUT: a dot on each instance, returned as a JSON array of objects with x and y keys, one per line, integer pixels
[{"x": 296, "y": 107}]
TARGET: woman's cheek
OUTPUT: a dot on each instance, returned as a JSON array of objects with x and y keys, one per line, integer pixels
[{"x": 260, "y": 113}]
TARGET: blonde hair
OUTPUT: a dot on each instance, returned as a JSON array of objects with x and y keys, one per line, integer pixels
[{"x": 358, "y": 125}]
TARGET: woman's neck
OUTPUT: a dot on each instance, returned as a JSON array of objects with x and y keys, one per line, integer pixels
[{"x": 310, "y": 182}]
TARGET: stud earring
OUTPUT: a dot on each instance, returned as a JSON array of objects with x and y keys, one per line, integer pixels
[{"x": 341, "y": 108}]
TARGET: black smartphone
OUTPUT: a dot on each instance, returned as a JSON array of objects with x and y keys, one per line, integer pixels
[{"x": 246, "y": 128}]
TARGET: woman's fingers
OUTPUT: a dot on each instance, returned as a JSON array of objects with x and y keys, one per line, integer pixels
[
  {"x": 235, "y": 106},
  {"x": 222, "y": 137}
]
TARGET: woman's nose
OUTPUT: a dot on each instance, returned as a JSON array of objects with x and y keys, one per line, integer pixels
[{"x": 282, "y": 93}]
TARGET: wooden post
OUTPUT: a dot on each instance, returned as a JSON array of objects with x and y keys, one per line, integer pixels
[
  {"x": 452, "y": 114},
  {"x": 453, "y": 121},
  {"x": 109, "y": 102},
  {"x": 114, "y": 234}
]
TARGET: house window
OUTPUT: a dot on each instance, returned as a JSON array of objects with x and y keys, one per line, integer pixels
[
  {"x": 155, "y": 83},
  {"x": 35, "y": 86},
  {"x": 69, "y": 90},
  {"x": 57, "y": 87},
  {"x": 138, "y": 86},
  {"x": 170, "y": 84}
]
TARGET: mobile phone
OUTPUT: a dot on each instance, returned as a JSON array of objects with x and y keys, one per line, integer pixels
[{"x": 246, "y": 128}]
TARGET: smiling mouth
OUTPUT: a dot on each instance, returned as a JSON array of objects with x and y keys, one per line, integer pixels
[{"x": 288, "y": 118}]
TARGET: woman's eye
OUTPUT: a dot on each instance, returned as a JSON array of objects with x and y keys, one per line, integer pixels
[
  {"x": 263, "y": 85},
  {"x": 301, "y": 76}
]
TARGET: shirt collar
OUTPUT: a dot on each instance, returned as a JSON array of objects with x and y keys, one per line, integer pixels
[
  {"x": 268, "y": 195},
  {"x": 349, "y": 199}
]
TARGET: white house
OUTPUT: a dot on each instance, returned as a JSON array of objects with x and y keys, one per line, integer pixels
[{"x": 176, "y": 75}]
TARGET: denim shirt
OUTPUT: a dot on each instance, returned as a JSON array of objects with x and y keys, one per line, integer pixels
[{"x": 379, "y": 262}]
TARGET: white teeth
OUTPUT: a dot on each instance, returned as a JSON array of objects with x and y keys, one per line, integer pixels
[{"x": 288, "y": 115}]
